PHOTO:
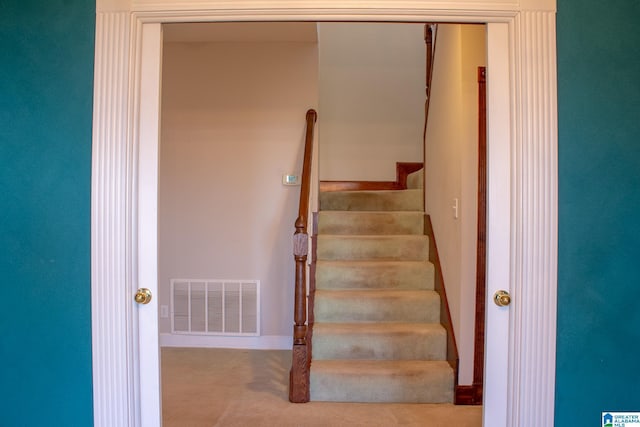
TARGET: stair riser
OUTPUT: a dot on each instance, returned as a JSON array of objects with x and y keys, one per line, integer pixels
[
  {"x": 354, "y": 275},
  {"x": 418, "y": 386},
  {"x": 400, "y": 248},
  {"x": 363, "y": 223},
  {"x": 406, "y": 200},
  {"x": 423, "y": 308},
  {"x": 408, "y": 346}
]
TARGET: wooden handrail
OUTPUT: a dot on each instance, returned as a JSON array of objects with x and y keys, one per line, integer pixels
[
  {"x": 430, "y": 31},
  {"x": 301, "y": 237},
  {"x": 305, "y": 189},
  {"x": 299, "y": 375}
]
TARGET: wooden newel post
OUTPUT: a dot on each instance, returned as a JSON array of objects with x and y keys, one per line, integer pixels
[
  {"x": 299, "y": 376},
  {"x": 300, "y": 250}
]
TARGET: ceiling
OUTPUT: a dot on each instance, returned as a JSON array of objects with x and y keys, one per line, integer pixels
[{"x": 241, "y": 32}]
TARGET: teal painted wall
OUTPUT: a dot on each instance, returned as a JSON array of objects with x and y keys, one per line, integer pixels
[
  {"x": 598, "y": 355},
  {"x": 46, "y": 87}
]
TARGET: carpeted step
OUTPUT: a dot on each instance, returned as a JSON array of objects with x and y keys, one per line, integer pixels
[
  {"x": 339, "y": 247},
  {"x": 386, "y": 200},
  {"x": 374, "y": 275},
  {"x": 377, "y": 306},
  {"x": 379, "y": 341},
  {"x": 416, "y": 179},
  {"x": 381, "y": 381},
  {"x": 350, "y": 222}
]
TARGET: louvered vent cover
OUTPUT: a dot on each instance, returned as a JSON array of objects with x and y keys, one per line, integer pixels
[{"x": 215, "y": 307}]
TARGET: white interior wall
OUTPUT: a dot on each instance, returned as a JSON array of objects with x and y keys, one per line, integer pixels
[
  {"x": 474, "y": 54},
  {"x": 372, "y": 80},
  {"x": 232, "y": 125},
  {"x": 451, "y": 173}
]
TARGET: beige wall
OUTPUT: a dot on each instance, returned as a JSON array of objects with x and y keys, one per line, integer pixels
[
  {"x": 451, "y": 173},
  {"x": 232, "y": 125},
  {"x": 371, "y": 98}
]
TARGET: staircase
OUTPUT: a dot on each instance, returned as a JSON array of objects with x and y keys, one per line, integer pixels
[{"x": 377, "y": 336}]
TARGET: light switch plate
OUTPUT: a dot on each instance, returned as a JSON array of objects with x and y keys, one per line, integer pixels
[{"x": 290, "y": 180}]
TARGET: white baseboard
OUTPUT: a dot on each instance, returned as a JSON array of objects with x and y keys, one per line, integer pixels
[{"x": 266, "y": 342}]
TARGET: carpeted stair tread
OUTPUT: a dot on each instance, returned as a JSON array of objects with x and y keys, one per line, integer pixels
[
  {"x": 377, "y": 306},
  {"x": 379, "y": 341},
  {"x": 416, "y": 179},
  {"x": 384, "y": 200},
  {"x": 410, "y": 381},
  {"x": 356, "y": 222},
  {"x": 374, "y": 274},
  {"x": 340, "y": 247}
]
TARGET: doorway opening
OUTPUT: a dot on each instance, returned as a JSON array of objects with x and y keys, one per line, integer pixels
[{"x": 232, "y": 94}]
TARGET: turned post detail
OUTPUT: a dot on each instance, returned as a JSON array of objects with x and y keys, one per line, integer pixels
[{"x": 300, "y": 250}]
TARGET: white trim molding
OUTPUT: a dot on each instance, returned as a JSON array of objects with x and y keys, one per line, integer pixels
[
  {"x": 112, "y": 239},
  {"x": 264, "y": 342},
  {"x": 532, "y": 170},
  {"x": 350, "y": 7},
  {"x": 535, "y": 225}
]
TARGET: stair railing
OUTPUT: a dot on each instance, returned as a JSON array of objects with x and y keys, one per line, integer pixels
[
  {"x": 300, "y": 361},
  {"x": 430, "y": 31}
]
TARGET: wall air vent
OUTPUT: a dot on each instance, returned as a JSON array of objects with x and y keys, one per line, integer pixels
[{"x": 215, "y": 307}]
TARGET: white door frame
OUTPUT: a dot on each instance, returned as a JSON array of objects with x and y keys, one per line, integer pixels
[{"x": 522, "y": 190}]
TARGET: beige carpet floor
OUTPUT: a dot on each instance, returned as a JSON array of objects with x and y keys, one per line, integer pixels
[{"x": 219, "y": 387}]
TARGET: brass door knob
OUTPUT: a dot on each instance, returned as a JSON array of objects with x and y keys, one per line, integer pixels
[
  {"x": 502, "y": 298},
  {"x": 143, "y": 296}
]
